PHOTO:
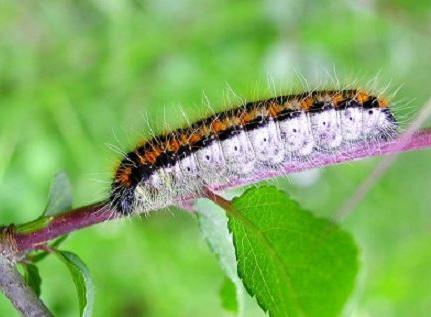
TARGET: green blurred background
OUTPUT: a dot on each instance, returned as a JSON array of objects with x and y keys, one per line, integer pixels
[{"x": 82, "y": 80}]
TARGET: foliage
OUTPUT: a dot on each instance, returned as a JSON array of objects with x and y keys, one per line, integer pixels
[
  {"x": 228, "y": 296},
  {"x": 81, "y": 278},
  {"x": 32, "y": 277},
  {"x": 213, "y": 224},
  {"x": 295, "y": 264},
  {"x": 60, "y": 196}
]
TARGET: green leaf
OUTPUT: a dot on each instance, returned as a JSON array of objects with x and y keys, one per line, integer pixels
[
  {"x": 294, "y": 263},
  {"x": 32, "y": 277},
  {"x": 213, "y": 225},
  {"x": 60, "y": 195},
  {"x": 81, "y": 278},
  {"x": 228, "y": 295}
]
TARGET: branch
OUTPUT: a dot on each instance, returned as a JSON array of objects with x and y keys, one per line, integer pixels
[
  {"x": 99, "y": 212},
  {"x": 20, "y": 294},
  {"x": 64, "y": 223}
]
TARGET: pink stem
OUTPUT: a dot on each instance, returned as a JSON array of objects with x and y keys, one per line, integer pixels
[
  {"x": 64, "y": 223},
  {"x": 100, "y": 212},
  {"x": 417, "y": 141}
]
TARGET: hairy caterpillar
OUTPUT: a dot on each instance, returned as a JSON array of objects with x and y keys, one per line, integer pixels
[{"x": 256, "y": 136}]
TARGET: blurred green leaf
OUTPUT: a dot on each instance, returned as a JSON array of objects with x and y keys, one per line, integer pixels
[
  {"x": 60, "y": 195},
  {"x": 82, "y": 279},
  {"x": 294, "y": 263},
  {"x": 34, "y": 225},
  {"x": 32, "y": 277},
  {"x": 228, "y": 295},
  {"x": 213, "y": 225}
]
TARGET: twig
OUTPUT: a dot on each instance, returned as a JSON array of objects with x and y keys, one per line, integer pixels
[
  {"x": 20, "y": 294},
  {"x": 64, "y": 223},
  {"x": 218, "y": 200}
]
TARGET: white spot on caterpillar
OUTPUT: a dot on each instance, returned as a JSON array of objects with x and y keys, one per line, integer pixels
[
  {"x": 351, "y": 123},
  {"x": 375, "y": 123},
  {"x": 326, "y": 128},
  {"x": 189, "y": 181},
  {"x": 267, "y": 144},
  {"x": 210, "y": 156},
  {"x": 295, "y": 133},
  {"x": 238, "y": 153},
  {"x": 212, "y": 163},
  {"x": 189, "y": 168}
]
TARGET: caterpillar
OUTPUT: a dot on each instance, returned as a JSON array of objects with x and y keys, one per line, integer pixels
[{"x": 255, "y": 136}]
